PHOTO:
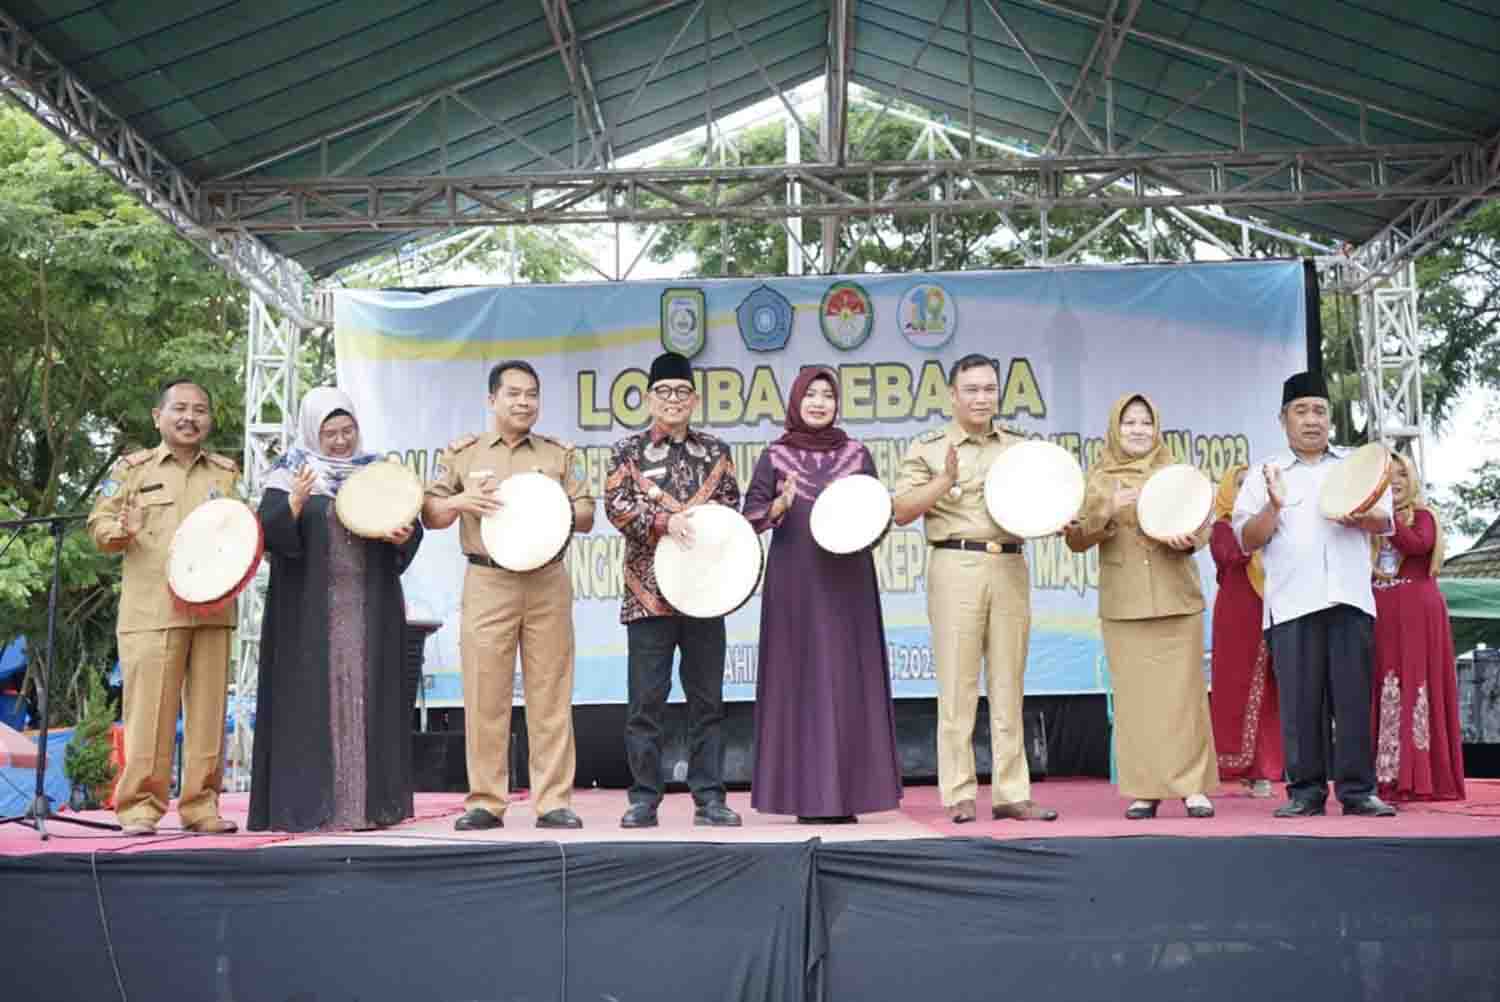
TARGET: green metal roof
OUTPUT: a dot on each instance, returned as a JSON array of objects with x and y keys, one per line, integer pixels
[{"x": 227, "y": 88}]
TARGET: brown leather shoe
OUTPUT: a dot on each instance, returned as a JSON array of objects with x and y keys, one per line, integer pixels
[
  {"x": 961, "y": 812},
  {"x": 213, "y": 826},
  {"x": 1023, "y": 810},
  {"x": 135, "y": 828}
]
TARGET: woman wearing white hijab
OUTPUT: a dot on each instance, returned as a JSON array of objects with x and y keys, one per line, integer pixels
[{"x": 332, "y": 727}]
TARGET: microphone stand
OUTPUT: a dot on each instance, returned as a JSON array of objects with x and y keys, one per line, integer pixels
[{"x": 40, "y": 812}]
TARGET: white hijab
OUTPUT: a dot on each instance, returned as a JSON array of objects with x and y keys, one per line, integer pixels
[{"x": 332, "y": 471}]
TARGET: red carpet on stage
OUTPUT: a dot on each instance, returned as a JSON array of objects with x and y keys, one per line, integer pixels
[{"x": 1089, "y": 808}]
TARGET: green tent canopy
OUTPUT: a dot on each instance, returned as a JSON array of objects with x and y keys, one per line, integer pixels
[{"x": 1474, "y": 607}]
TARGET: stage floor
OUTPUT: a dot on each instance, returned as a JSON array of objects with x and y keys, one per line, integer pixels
[{"x": 1089, "y": 808}]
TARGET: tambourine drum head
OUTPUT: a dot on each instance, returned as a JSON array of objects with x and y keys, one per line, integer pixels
[
  {"x": 214, "y": 552},
  {"x": 379, "y": 499},
  {"x": 1356, "y": 483},
  {"x": 719, "y": 572},
  {"x": 1033, "y": 489},
  {"x": 533, "y": 525},
  {"x": 1175, "y": 501},
  {"x": 851, "y": 514}
]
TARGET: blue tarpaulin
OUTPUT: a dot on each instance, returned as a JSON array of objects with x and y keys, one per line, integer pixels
[
  {"x": 18, "y": 786},
  {"x": 13, "y": 659}
]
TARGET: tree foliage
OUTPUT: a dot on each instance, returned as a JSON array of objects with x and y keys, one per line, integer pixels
[
  {"x": 100, "y": 302},
  {"x": 905, "y": 243}
]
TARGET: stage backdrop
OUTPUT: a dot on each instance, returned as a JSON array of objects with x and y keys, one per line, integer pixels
[{"x": 1210, "y": 343}]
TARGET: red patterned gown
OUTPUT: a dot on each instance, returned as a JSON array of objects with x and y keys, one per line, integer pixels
[
  {"x": 1244, "y": 705},
  {"x": 1418, "y": 745}
]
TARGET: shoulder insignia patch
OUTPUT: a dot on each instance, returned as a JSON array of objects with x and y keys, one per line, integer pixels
[
  {"x": 137, "y": 457},
  {"x": 462, "y": 442},
  {"x": 223, "y": 462},
  {"x": 932, "y": 436}
]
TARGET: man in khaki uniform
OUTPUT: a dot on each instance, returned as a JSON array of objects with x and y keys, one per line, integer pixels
[
  {"x": 504, "y": 609},
  {"x": 168, "y": 657},
  {"x": 978, "y": 595}
]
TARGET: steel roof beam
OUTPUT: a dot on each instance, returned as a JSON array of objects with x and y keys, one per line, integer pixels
[
  {"x": 1427, "y": 221},
  {"x": 1214, "y": 55},
  {"x": 70, "y": 111},
  {"x": 1113, "y": 37},
  {"x": 484, "y": 76},
  {"x": 1325, "y": 175},
  {"x": 565, "y": 37}
]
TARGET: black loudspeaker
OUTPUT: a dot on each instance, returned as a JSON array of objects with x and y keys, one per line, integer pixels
[{"x": 1064, "y": 736}]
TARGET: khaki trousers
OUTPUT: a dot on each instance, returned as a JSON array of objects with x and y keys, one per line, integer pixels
[
  {"x": 503, "y": 610},
  {"x": 979, "y": 605},
  {"x": 165, "y": 669}
]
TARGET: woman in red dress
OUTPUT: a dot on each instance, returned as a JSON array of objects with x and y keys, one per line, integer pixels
[
  {"x": 1244, "y": 706},
  {"x": 1418, "y": 746}
]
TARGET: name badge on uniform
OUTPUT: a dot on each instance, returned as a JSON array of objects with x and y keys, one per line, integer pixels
[{"x": 150, "y": 487}]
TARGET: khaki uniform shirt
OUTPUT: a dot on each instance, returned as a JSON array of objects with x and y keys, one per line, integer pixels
[
  {"x": 1139, "y": 578},
  {"x": 472, "y": 458},
  {"x": 165, "y": 491},
  {"x": 964, "y": 517}
]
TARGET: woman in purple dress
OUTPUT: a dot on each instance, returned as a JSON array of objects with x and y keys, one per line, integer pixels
[{"x": 825, "y": 732}]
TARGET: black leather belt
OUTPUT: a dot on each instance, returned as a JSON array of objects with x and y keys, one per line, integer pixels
[
  {"x": 479, "y": 561},
  {"x": 978, "y": 546}
]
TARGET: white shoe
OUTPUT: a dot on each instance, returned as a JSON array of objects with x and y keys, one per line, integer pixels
[
  {"x": 1261, "y": 789},
  {"x": 1198, "y": 806}
]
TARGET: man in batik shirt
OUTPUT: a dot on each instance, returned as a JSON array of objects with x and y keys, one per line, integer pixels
[{"x": 656, "y": 478}]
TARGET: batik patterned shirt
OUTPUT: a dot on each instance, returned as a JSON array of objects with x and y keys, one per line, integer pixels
[{"x": 651, "y": 477}]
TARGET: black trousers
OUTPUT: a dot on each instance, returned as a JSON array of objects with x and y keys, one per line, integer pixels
[
  {"x": 1324, "y": 664},
  {"x": 651, "y": 644}
]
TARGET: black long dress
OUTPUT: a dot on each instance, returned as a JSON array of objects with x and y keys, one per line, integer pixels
[{"x": 332, "y": 722}]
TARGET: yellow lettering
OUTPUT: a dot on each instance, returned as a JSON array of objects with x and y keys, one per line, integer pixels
[
  {"x": 892, "y": 391},
  {"x": 627, "y": 399},
  {"x": 590, "y": 417},
  {"x": 855, "y": 393},
  {"x": 764, "y": 398},
  {"x": 723, "y": 404},
  {"x": 1021, "y": 391},
  {"x": 932, "y": 393}
]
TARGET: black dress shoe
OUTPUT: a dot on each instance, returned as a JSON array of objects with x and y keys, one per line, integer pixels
[
  {"x": 639, "y": 816},
  {"x": 562, "y": 817},
  {"x": 1370, "y": 807},
  {"x": 830, "y": 819},
  {"x": 1141, "y": 811},
  {"x": 716, "y": 815},
  {"x": 477, "y": 819},
  {"x": 1301, "y": 809}
]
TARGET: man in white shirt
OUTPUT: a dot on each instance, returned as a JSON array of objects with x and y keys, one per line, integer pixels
[{"x": 1319, "y": 609}]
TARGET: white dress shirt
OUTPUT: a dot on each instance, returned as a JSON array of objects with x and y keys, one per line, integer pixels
[{"x": 1312, "y": 563}]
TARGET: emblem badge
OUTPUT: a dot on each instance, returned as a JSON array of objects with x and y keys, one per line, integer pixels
[
  {"x": 927, "y": 316},
  {"x": 846, "y": 315},
  {"x": 765, "y": 319},
  {"x": 684, "y": 321}
]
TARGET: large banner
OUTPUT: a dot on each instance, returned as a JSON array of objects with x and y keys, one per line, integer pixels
[{"x": 1210, "y": 343}]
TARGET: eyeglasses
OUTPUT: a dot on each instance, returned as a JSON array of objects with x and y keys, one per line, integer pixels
[{"x": 673, "y": 392}]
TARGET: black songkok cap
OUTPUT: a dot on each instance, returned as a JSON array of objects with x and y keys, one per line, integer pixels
[
  {"x": 1304, "y": 384},
  {"x": 670, "y": 365}
]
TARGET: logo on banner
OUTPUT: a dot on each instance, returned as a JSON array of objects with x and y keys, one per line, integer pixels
[
  {"x": 765, "y": 319},
  {"x": 927, "y": 316},
  {"x": 846, "y": 315},
  {"x": 684, "y": 321}
]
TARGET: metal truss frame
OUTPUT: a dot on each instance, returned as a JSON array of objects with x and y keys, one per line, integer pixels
[
  {"x": 1458, "y": 172},
  {"x": 225, "y": 217}
]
